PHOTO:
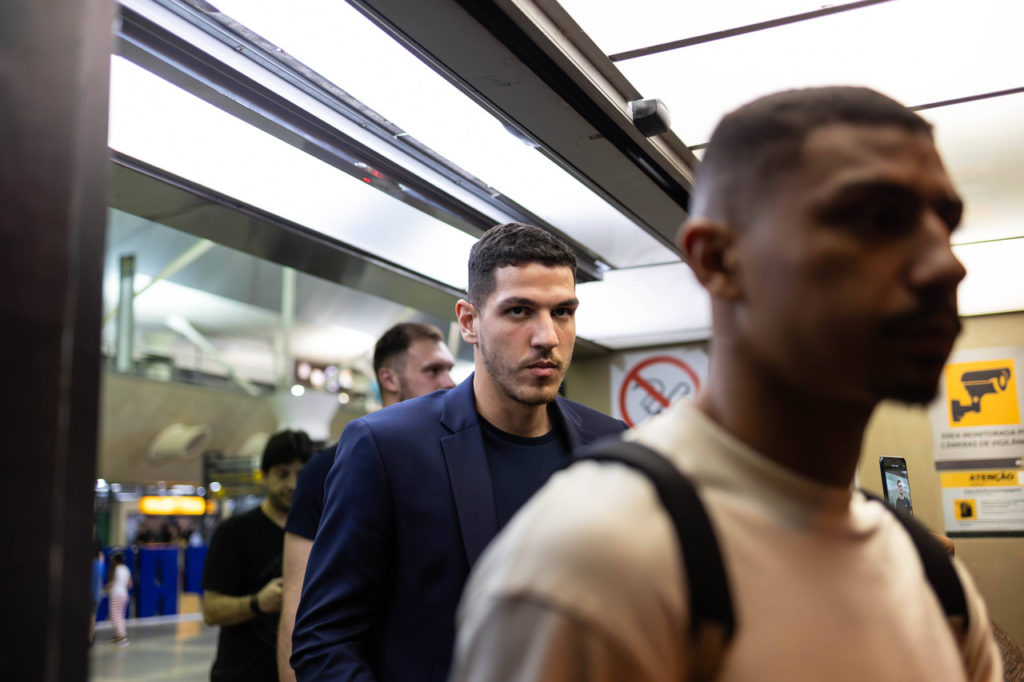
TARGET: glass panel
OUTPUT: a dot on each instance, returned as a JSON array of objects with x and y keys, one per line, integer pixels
[
  {"x": 234, "y": 301},
  {"x": 342, "y": 45},
  {"x": 919, "y": 51}
]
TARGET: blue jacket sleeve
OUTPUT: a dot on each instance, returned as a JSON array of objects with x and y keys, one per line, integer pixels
[{"x": 351, "y": 557}]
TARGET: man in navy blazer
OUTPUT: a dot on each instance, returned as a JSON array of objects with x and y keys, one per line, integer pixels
[{"x": 417, "y": 490}]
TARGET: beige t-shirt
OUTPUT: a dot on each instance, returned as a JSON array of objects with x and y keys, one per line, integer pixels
[{"x": 585, "y": 583}]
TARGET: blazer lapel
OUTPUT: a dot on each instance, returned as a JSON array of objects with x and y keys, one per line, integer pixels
[
  {"x": 468, "y": 473},
  {"x": 570, "y": 424}
]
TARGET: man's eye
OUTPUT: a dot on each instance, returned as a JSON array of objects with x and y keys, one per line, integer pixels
[
  {"x": 517, "y": 311},
  {"x": 564, "y": 312},
  {"x": 894, "y": 218}
]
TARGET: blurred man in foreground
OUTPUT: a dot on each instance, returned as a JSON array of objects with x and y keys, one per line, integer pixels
[{"x": 820, "y": 225}]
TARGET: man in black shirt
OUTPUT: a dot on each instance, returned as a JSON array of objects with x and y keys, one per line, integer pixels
[{"x": 242, "y": 575}]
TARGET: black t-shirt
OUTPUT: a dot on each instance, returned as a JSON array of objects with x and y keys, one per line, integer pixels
[
  {"x": 308, "y": 500},
  {"x": 519, "y": 466},
  {"x": 244, "y": 555}
]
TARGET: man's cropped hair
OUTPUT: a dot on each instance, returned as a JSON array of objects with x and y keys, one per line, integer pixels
[
  {"x": 755, "y": 145},
  {"x": 397, "y": 340},
  {"x": 512, "y": 244},
  {"x": 286, "y": 447}
]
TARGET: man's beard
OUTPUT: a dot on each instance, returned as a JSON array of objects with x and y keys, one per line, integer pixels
[
  {"x": 503, "y": 373},
  {"x": 915, "y": 381},
  {"x": 404, "y": 392},
  {"x": 281, "y": 502}
]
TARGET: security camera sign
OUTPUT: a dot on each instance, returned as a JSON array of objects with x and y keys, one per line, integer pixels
[
  {"x": 645, "y": 384},
  {"x": 977, "y": 414},
  {"x": 982, "y": 393}
]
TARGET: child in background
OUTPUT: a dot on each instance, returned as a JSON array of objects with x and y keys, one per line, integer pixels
[{"x": 117, "y": 592}]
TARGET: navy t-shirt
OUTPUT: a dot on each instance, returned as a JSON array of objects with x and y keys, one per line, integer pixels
[
  {"x": 520, "y": 466},
  {"x": 308, "y": 500}
]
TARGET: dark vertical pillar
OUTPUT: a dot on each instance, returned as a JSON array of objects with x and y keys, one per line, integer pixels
[{"x": 54, "y": 81}]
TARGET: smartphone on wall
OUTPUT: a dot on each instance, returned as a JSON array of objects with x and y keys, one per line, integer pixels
[{"x": 896, "y": 483}]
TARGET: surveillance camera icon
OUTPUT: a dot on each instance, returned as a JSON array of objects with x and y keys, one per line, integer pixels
[{"x": 978, "y": 384}]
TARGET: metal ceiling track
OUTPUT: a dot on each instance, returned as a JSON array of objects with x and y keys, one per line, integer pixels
[
  {"x": 529, "y": 77},
  {"x": 172, "y": 57}
]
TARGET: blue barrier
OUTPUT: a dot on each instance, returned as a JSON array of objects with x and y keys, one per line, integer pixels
[
  {"x": 194, "y": 559},
  {"x": 157, "y": 583}
]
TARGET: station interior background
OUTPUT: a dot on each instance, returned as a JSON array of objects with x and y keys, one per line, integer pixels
[{"x": 288, "y": 180}]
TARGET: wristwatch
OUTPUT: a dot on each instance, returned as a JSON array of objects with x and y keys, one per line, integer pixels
[{"x": 254, "y": 604}]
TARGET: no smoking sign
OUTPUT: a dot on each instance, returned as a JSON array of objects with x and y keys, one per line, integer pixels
[{"x": 653, "y": 383}]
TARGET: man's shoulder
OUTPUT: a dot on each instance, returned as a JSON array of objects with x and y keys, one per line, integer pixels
[
  {"x": 424, "y": 409},
  {"x": 241, "y": 522}
]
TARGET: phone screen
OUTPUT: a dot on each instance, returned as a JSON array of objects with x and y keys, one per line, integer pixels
[{"x": 896, "y": 482}]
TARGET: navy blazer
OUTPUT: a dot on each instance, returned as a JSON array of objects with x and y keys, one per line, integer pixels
[{"x": 408, "y": 509}]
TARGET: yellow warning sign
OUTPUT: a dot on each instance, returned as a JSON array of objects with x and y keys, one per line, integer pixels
[
  {"x": 965, "y": 510},
  {"x": 982, "y": 393},
  {"x": 978, "y": 479}
]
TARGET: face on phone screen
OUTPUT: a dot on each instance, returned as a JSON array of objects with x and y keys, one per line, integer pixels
[{"x": 896, "y": 483}]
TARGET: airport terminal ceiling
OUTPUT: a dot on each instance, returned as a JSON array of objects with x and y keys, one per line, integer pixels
[{"x": 360, "y": 144}]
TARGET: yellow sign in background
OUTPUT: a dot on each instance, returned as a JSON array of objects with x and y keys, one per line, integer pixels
[
  {"x": 982, "y": 393},
  {"x": 982, "y": 479}
]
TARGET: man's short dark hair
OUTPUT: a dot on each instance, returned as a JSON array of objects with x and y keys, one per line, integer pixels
[
  {"x": 753, "y": 146},
  {"x": 512, "y": 244},
  {"x": 286, "y": 447},
  {"x": 397, "y": 340}
]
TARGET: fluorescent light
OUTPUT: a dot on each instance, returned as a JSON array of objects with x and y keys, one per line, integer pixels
[
  {"x": 618, "y": 26},
  {"x": 330, "y": 343},
  {"x": 611, "y": 312},
  {"x": 995, "y": 279},
  {"x": 342, "y": 45},
  {"x": 982, "y": 144},
  {"x": 918, "y": 51},
  {"x": 161, "y": 124}
]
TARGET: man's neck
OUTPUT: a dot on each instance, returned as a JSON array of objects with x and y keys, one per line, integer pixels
[
  {"x": 807, "y": 434},
  {"x": 273, "y": 513},
  {"x": 506, "y": 413}
]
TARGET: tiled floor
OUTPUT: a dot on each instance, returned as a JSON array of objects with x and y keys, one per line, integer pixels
[{"x": 181, "y": 650}]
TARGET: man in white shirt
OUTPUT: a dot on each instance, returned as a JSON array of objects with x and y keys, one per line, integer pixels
[{"x": 820, "y": 225}]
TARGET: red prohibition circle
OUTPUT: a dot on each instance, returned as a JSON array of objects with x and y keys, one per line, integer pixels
[{"x": 634, "y": 376}]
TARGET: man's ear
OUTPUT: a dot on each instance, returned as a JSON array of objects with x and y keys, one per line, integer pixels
[
  {"x": 466, "y": 314},
  {"x": 710, "y": 249},
  {"x": 388, "y": 380}
]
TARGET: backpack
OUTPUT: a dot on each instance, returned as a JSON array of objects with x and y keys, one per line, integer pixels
[{"x": 712, "y": 618}]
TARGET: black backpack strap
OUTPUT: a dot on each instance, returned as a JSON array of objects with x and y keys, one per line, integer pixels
[
  {"x": 712, "y": 619},
  {"x": 938, "y": 567}
]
